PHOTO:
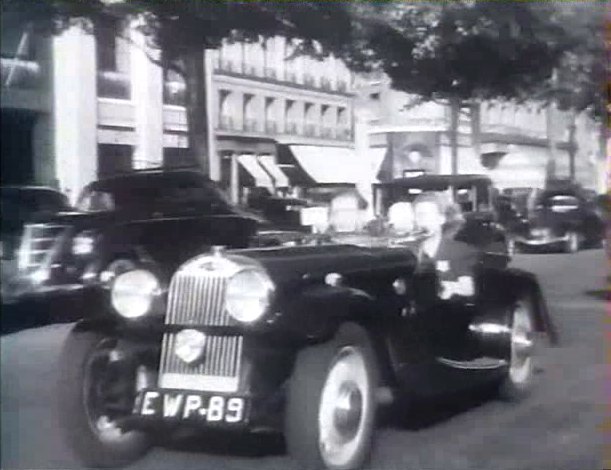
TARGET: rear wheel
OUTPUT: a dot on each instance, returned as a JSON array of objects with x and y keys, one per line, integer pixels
[
  {"x": 330, "y": 412},
  {"x": 519, "y": 380},
  {"x": 92, "y": 393}
]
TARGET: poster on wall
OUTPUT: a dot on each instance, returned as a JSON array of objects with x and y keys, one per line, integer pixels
[{"x": 408, "y": 152}]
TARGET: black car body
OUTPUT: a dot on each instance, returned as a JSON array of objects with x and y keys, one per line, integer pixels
[
  {"x": 287, "y": 338},
  {"x": 565, "y": 218},
  {"x": 155, "y": 216},
  {"x": 475, "y": 195},
  {"x": 20, "y": 206}
]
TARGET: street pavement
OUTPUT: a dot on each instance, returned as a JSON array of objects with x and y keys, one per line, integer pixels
[{"x": 559, "y": 427}]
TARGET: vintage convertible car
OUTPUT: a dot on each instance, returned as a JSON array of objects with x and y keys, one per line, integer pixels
[{"x": 305, "y": 340}]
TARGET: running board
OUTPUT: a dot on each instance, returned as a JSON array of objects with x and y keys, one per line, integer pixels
[{"x": 481, "y": 363}]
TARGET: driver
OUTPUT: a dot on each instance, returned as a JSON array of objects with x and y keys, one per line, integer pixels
[{"x": 452, "y": 260}]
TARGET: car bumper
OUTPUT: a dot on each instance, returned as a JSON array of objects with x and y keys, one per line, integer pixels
[{"x": 541, "y": 242}]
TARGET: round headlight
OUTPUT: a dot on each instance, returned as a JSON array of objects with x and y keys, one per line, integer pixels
[
  {"x": 134, "y": 292},
  {"x": 248, "y": 295}
]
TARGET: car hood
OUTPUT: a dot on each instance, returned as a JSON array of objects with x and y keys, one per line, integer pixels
[{"x": 287, "y": 265}]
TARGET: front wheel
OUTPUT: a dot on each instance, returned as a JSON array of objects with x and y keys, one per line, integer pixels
[
  {"x": 330, "y": 411},
  {"x": 93, "y": 395},
  {"x": 519, "y": 379}
]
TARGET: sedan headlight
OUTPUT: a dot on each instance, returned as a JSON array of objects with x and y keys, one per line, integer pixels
[
  {"x": 83, "y": 243},
  {"x": 248, "y": 295},
  {"x": 134, "y": 293}
]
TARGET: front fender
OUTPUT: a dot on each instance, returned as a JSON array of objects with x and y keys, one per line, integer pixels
[
  {"x": 508, "y": 286},
  {"x": 318, "y": 310}
]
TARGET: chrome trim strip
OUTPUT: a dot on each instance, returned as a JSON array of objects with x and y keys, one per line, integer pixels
[
  {"x": 201, "y": 383},
  {"x": 482, "y": 363}
]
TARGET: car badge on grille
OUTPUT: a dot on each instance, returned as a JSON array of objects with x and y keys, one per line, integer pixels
[
  {"x": 209, "y": 266},
  {"x": 218, "y": 250}
]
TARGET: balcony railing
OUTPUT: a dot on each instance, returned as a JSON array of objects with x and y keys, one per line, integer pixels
[
  {"x": 308, "y": 80},
  {"x": 291, "y": 128},
  {"x": 290, "y": 76},
  {"x": 226, "y": 123},
  {"x": 248, "y": 69},
  {"x": 311, "y": 130},
  {"x": 344, "y": 134},
  {"x": 271, "y": 127},
  {"x": 20, "y": 73},
  {"x": 113, "y": 84},
  {"x": 270, "y": 72},
  {"x": 226, "y": 65},
  {"x": 175, "y": 93},
  {"x": 251, "y": 125},
  {"x": 327, "y": 132}
]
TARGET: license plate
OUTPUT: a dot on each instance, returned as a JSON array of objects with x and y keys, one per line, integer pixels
[{"x": 209, "y": 408}]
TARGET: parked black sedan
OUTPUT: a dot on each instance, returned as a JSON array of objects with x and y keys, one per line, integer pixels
[
  {"x": 154, "y": 216},
  {"x": 564, "y": 219},
  {"x": 19, "y": 206}
]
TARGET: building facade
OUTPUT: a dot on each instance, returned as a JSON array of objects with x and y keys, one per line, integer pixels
[
  {"x": 516, "y": 144},
  {"x": 86, "y": 104}
]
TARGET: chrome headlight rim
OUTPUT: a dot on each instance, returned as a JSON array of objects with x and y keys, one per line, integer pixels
[
  {"x": 132, "y": 298},
  {"x": 267, "y": 289}
]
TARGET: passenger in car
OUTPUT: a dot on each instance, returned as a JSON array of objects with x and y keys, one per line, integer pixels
[{"x": 453, "y": 261}]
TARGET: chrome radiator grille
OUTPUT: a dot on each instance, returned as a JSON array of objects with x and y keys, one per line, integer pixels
[
  {"x": 39, "y": 243},
  {"x": 197, "y": 299},
  {"x": 218, "y": 371}
]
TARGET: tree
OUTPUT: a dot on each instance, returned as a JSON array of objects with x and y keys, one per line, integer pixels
[
  {"x": 577, "y": 85},
  {"x": 183, "y": 29},
  {"x": 460, "y": 52}
]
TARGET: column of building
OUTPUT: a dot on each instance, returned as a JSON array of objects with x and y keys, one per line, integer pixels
[
  {"x": 147, "y": 97},
  {"x": 75, "y": 109}
]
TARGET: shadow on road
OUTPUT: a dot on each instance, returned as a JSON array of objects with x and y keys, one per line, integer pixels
[
  {"x": 229, "y": 444},
  {"x": 599, "y": 294},
  {"x": 428, "y": 413}
]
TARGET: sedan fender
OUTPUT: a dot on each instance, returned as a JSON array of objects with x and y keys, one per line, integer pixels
[{"x": 502, "y": 288}]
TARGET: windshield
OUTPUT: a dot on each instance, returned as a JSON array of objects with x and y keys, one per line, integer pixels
[
  {"x": 193, "y": 194},
  {"x": 470, "y": 198}
]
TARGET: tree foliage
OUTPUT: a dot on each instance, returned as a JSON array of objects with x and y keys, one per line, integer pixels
[{"x": 461, "y": 50}]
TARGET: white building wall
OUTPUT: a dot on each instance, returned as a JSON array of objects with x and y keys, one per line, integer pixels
[
  {"x": 147, "y": 96},
  {"x": 74, "y": 110}
]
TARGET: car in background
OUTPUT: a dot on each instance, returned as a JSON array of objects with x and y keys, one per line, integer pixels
[
  {"x": 564, "y": 217},
  {"x": 155, "y": 216},
  {"x": 20, "y": 206},
  {"x": 473, "y": 196}
]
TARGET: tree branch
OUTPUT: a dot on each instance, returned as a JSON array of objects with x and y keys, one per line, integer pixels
[{"x": 164, "y": 64}]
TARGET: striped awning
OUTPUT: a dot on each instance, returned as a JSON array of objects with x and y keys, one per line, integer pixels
[{"x": 252, "y": 166}]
